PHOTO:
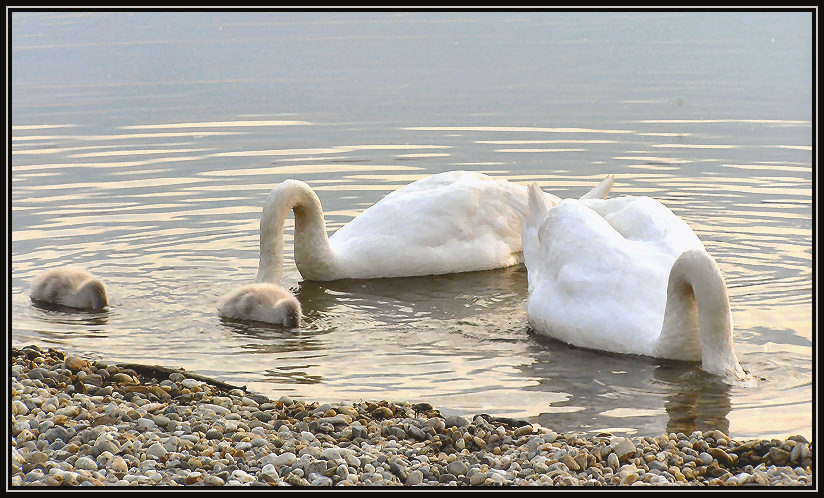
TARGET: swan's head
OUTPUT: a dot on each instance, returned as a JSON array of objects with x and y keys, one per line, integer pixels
[{"x": 92, "y": 293}]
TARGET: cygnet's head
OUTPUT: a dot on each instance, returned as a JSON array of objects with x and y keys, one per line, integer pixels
[
  {"x": 93, "y": 293},
  {"x": 262, "y": 302},
  {"x": 286, "y": 311}
]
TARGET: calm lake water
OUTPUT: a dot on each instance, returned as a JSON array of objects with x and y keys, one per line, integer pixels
[{"x": 144, "y": 145}]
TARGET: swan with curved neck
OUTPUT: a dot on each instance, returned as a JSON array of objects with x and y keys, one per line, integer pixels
[
  {"x": 72, "y": 287},
  {"x": 627, "y": 275},
  {"x": 450, "y": 222}
]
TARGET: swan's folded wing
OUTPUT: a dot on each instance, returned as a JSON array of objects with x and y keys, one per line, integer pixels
[
  {"x": 463, "y": 225},
  {"x": 644, "y": 219}
]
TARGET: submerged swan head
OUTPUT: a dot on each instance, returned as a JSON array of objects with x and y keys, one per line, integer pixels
[
  {"x": 697, "y": 298},
  {"x": 261, "y": 302},
  {"x": 71, "y": 287}
]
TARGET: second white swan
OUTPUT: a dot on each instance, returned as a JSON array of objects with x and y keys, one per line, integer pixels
[
  {"x": 626, "y": 275},
  {"x": 450, "y": 222}
]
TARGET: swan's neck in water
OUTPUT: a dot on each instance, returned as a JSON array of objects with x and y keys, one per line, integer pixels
[
  {"x": 313, "y": 253},
  {"x": 696, "y": 286}
]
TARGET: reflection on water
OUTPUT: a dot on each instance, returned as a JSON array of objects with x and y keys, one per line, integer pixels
[
  {"x": 156, "y": 184},
  {"x": 620, "y": 393}
]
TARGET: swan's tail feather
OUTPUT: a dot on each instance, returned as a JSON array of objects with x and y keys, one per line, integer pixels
[
  {"x": 536, "y": 214},
  {"x": 601, "y": 190},
  {"x": 538, "y": 209}
]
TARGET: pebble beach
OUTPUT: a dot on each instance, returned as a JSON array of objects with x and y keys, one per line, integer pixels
[{"x": 82, "y": 422}]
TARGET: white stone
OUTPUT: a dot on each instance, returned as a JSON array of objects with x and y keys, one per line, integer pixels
[
  {"x": 156, "y": 451},
  {"x": 85, "y": 463}
]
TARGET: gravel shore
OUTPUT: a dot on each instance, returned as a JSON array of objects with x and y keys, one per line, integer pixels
[{"x": 76, "y": 422}]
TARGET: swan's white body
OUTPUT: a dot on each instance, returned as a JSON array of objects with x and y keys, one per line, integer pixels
[
  {"x": 261, "y": 302},
  {"x": 626, "y": 275},
  {"x": 450, "y": 222},
  {"x": 70, "y": 286}
]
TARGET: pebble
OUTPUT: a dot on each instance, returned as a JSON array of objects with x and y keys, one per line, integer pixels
[{"x": 80, "y": 422}]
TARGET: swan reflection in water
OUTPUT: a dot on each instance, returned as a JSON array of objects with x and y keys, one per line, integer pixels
[
  {"x": 468, "y": 298},
  {"x": 617, "y": 393}
]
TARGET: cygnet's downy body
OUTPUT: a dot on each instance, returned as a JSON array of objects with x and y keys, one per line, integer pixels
[
  {"x": 71, "y": 287},
  {"x": 261, "y": 302}
]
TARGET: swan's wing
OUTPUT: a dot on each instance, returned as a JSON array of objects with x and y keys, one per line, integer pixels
[
  {"x": 452, "y": 222},
  {"x": 644, "y": 219},
  {"x": 595, "y": 288}
]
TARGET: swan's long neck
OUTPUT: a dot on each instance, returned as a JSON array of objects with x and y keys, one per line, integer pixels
[
  {"x": 696, "y": 286},
  {"x": 313, "y": 253}
]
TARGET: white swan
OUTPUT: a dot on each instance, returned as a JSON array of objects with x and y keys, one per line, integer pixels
[
  {"x": 261, "y": 302},
  {"x": 629, "y": 276},
  {"x": 69, "y": 286},
  {"x": 450, "y": 222}
]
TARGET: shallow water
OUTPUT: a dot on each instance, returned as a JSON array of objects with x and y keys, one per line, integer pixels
[{"x": 144, "y": 144}]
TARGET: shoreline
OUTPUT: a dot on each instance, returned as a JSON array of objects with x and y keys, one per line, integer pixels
[{"x": 77, "y": 422}]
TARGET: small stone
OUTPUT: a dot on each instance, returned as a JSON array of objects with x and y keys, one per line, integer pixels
[
  {"x": 415, "y": 478},
  {"x": 36, "y": 457},
  {"x": 118, "y": 464},
  {"x": 75, "y": 364},
  {"x": 417, "y": 433},
  {"x": 623, "y": 448},
  {"x": 19, "y": 408},
  {"x": 382, "y": 412},
  {"x": 800, "y": 451},
  {"x": 156, "y": 451},
  {"x": 287, "y": 458},
  {"x": 398, "y": 469},
  {"x": 457, "y": 468},
  {"x": 213, "y": 480},
  {"x": 124, "y": 378},
  {"x": 705, "y": 458},
  {"x": 522, "y": 431},
  {"x": 779, "y": 457},
  {"x": 570, "y": 462},
  {"x": 477, "y": 479},
  {"x": 214, "y": 433},
  {"x": 455, "y": 421},
  {"x": 446, "y": 478},
  {"x": 724, "y": 459},
  {"x": 85, "y": 463}
]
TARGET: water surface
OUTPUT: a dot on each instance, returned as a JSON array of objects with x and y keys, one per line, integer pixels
[{"x": 144, "y": 144}]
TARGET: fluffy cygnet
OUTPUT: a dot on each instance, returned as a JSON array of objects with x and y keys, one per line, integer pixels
[
  {"x": 261, "y": 302},
  {"x": 70, "y": 286}
]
